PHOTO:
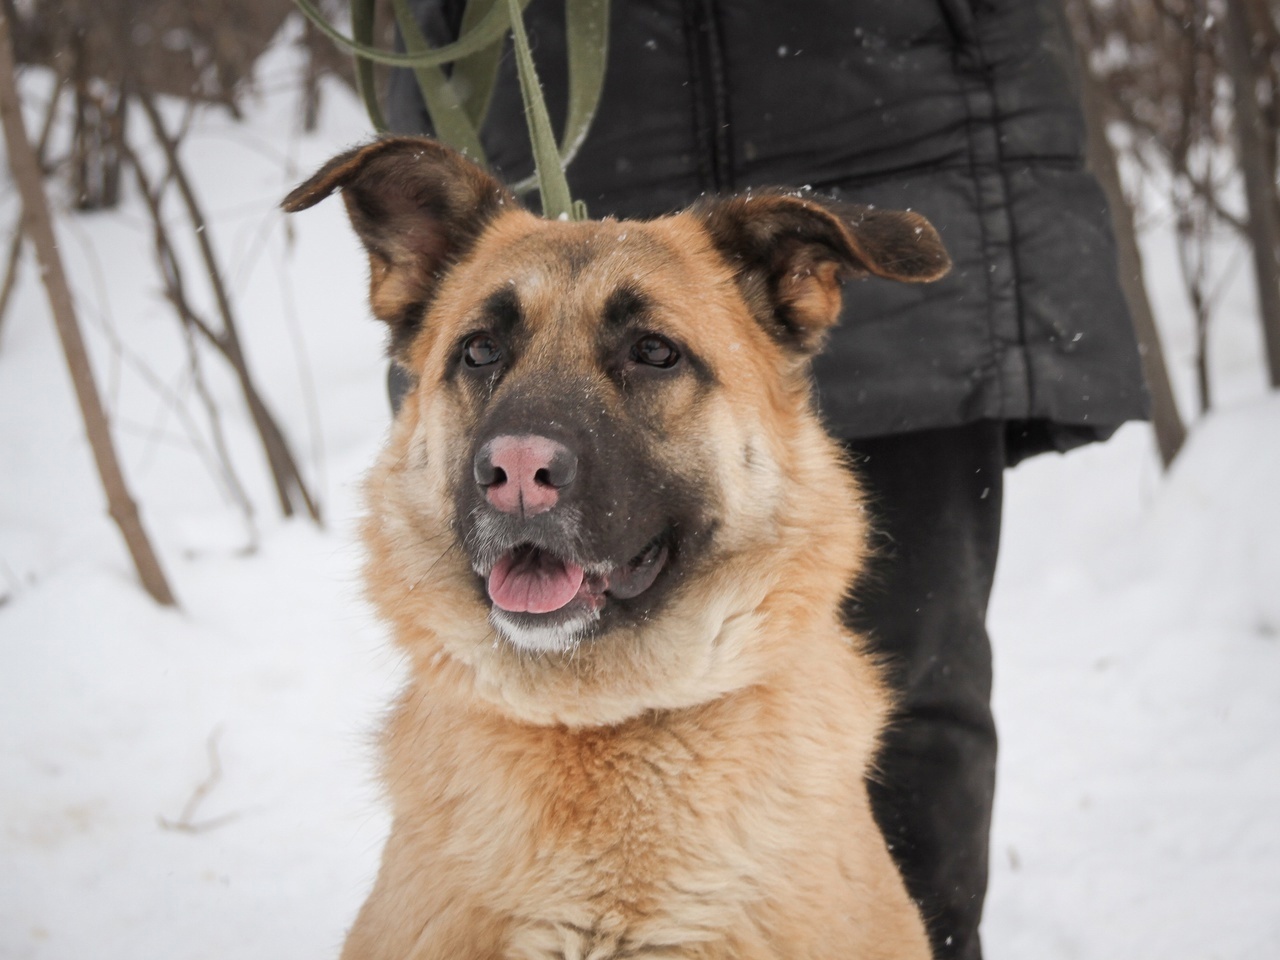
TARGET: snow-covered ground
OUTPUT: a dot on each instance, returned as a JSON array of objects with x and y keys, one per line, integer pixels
[{"x": 198, "y": 783}]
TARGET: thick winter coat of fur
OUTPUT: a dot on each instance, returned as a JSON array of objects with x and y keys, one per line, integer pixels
[{"x": 612, "y": 537}]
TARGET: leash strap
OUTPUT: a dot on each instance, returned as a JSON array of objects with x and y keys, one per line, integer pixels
[
  {"x": 362, "y": 31},
  {"x": 476, "y": 75},
  {"x": 587, "y": 45},
  {"x": 491, "y": 29},
  {"x": 457, "y": 105},
  {"x": 444, "y": 106},
  {"x": 556, "y": 200}
]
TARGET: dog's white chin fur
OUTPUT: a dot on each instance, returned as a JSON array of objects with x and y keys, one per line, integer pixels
[{"x": 553, "y": 638}]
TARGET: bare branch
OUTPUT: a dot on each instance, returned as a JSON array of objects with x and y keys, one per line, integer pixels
[
  {"x": 1258, "y": 167},
  {"x": 186, "y": 822},
  {"x": 1169, "y": 429},
  {"x": 15, "y": 244},
  {"x": 39, "y": 227},
  {"x": 175, "y": 292},
  {"x": 284, "y": 467}
]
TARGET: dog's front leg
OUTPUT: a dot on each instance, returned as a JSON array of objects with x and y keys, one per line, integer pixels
[{"x": 410, "y": 916}]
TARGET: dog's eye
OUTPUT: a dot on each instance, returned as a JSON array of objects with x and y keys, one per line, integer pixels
[
  {"x": 480, "y": 350},
  {"x": 654, "y": 351}
]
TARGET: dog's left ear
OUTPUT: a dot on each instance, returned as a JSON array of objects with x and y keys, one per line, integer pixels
[
  {"x": 792, "y": 253},
  {"x": 417, "y": 207}
]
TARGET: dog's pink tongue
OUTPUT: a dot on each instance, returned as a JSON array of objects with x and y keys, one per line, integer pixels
[{"x": 533, "y": 581}]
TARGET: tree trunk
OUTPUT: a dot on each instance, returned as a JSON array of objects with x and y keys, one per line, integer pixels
[
  {"x": 16, "y": 242},
  {"x": 1169, "y": 429},
  {"x": 1259, "y": 178},
  {"x": 39, "y": 228}
]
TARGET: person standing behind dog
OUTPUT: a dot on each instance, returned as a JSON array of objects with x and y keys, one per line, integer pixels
[{"x": 967, "y": 111}]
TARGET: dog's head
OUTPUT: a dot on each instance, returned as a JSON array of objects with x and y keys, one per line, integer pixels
[{"x": 608, "y": 460}]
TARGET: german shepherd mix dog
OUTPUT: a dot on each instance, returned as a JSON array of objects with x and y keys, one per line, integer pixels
[{"x": 612, "y": 538}]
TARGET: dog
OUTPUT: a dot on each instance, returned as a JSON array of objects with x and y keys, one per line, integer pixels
[{"x": 612, "y": 538}]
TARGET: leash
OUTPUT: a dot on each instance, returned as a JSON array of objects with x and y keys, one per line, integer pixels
[{"x": 457, "y": 104}]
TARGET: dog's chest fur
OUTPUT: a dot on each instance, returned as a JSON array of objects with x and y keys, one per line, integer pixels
[{"x": 625, "y": 841}]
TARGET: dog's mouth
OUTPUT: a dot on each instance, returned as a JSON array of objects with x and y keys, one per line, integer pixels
[{"x": 529, "y": 579}]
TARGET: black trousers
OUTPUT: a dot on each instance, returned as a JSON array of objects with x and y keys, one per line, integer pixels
[{"x": 935, "y": 499}]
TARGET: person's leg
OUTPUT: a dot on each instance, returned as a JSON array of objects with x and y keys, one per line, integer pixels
[{"x": 934, "y": 497}]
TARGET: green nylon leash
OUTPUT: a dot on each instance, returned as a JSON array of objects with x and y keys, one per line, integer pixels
[
  {"x": 444, "y": 106},
  {"x": 457, "y": 104},
  {"x": 557, "y": 203},
  {"x": 491, "y": 29},
  {"x": 475, "y": 75}
]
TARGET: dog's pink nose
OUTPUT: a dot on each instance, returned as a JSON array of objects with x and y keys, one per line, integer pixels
[{"x": 524, "y": 474}]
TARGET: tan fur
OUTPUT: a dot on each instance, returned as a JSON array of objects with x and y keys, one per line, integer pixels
[{"x": 689, "y": 788}]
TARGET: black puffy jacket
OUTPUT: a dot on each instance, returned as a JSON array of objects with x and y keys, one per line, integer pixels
[{"x": 965, "y": 110}]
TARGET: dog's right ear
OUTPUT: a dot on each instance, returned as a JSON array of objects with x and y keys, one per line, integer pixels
[
  {"x": 792, "y": 251},
  {"x": 417, "y": 207}
]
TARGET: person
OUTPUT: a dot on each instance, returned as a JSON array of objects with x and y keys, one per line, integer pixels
[{"x": 967, "y": 111}]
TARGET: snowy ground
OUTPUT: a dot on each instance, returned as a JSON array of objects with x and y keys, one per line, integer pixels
[{"x": 1136, "y": 618}]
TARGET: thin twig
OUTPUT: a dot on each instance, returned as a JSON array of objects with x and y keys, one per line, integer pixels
[
  {"x": 127, "y": 358},
  {"x": 233, "y": 485},
  {"x": 11, "y": 269},
  {"x": 186, "y": 822},
  {"x": 15, "y": 245},
  {"x": 284, "y": 468},
  {"x": 1169, "y": 429},
  {"x": 171, "y": 274}
]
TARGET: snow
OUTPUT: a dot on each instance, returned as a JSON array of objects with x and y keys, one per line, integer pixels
[
  {"x": 1136, "y": 621},
  {"x": 1138, "y": 659}
]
